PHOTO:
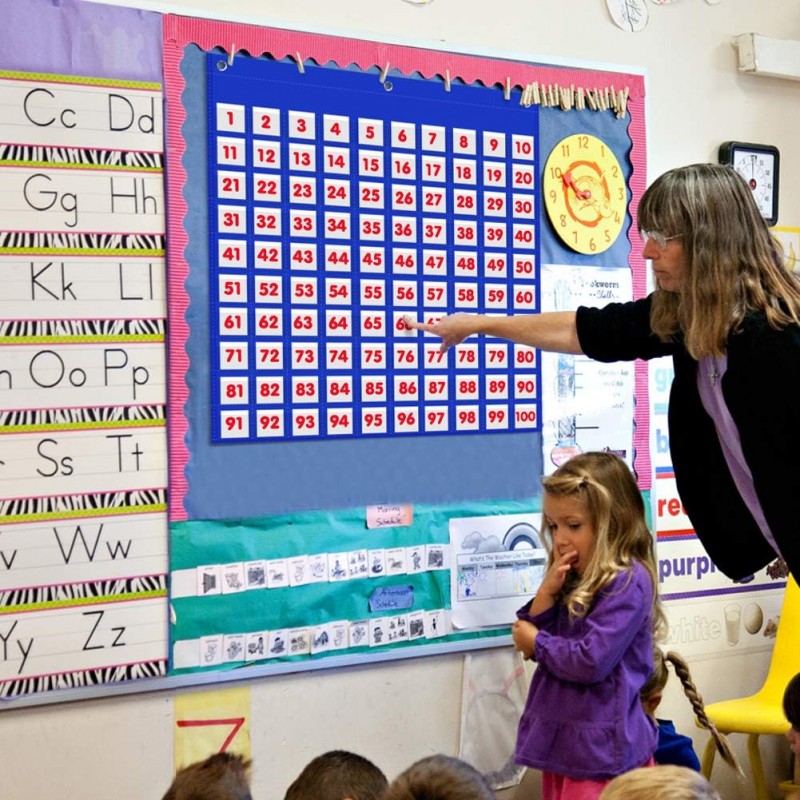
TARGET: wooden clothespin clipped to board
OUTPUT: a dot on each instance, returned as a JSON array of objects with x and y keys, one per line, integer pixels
[
  {"x": 384, "y": 73},
  {"x": 447, "y": 80},
  {"x": 507, "y": 89},
  {"x": 301, "y": 69},
  {"x": 231, "y": 54}
]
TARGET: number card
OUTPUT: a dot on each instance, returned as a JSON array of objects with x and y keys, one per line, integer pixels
[{"x": 334, "y": 214}]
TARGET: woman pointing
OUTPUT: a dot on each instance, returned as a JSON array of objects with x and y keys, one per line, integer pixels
[{"x": 728, "y": 312}]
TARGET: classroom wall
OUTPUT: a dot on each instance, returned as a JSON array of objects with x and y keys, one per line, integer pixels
[{"x": 397, "y": 712}]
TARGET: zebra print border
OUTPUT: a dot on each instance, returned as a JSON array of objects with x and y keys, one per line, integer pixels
[
  {"x": 93, "y": 504},
  {"x": 41, "y": 598},
  {"x": 42, "y": 155},
  {"x": 43, "y": 419},
  {"x": 19, "y": 687}
]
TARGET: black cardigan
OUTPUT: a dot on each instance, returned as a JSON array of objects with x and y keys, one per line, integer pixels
[{"x": 761, "y": 387}]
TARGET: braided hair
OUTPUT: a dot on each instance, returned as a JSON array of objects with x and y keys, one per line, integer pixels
[{"x": 657, "y": 682}]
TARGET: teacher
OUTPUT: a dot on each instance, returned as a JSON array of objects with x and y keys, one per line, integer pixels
[{"x": 728, "y": 312}]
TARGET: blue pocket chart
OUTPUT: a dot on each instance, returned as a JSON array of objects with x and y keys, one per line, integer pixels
[{"x": 338, "y": 204}]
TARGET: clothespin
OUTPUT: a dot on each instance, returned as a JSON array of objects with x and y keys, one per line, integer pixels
[
  {"x": 507, "y": 89},
  {"x": 231, "y": 54},
  {"x": 447, "y": 80},
  {"x": 299, "y": 62},
  {"x": 384, "y": 73}
]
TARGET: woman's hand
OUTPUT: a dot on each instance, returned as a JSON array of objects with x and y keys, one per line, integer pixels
[
  {"x": 453, "y": 329},
  {"x": 524, "y": 634}
]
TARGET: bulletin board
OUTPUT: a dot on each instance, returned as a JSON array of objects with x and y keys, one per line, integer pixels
[
  {"x": 286, "y": 134},
  {"x": 341, "y": 513}
]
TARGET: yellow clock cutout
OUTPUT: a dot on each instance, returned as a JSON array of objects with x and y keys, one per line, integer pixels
[{"x": 585, "y": 193}]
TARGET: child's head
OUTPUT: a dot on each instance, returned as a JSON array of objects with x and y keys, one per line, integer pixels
[
  {"x": 223, "y": 776},
  {"x": 660, "y": 783},
  {"x": 338, "y": 775},
  {"x": 791, "y": 708},
  {"x": 598, "y": 491},
  {"x": 652, "y": 692},
  {"x": 439, "y": 778},
  {"x": 653, "y": 689},
  {"x": 603, "y": 486}
]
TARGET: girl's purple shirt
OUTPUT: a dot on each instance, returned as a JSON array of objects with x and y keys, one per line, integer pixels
[{"x": 583, "y": 717}]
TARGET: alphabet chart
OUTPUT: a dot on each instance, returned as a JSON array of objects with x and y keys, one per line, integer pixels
[
  {"x": 83, "y": 451},
  {"x": 339, "y": 204}
]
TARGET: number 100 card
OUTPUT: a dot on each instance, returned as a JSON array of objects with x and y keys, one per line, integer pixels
[{"x": 338, "y": 205}]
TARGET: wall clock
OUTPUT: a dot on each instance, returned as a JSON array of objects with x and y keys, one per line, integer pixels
[
  {"x": 759, "y": 165},
  {"x": 585, "y": 193}
]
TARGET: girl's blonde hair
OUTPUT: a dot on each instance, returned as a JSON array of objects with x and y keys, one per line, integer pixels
[
  {"x": 734, "y": 266},
  {"x": 658, "y": 680},
  {"x": 665, "y": 782},
  {"x": 605, "y": 485}
]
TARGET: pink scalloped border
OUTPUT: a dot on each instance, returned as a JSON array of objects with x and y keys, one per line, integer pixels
[
  {"x": 177, "y": 273},
  {"x": 208, "y": 34}
]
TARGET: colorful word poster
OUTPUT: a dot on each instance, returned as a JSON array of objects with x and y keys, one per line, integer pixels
[
  {"x": 588, "y": 405},
  {"x": 340, "y": 205},
  {"x": 83, "y": 464},
  {"x": 708, "y": 613}
]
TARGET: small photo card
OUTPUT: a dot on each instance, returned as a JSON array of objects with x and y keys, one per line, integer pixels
[
  {"x": 434, "y": 624},
  {"x": 339, "y": 632},
  {"x": 397, "y": 629},
  {"x": 255, "y": 574},
  {"x": 416, "y": 625},
  {"x": 300, "y": 642},
  {"x": 435, "y": 556},
  {"x": 278, "y": 644},
  {"x": 208, "y": 580},
  {"x": 377, "y": 631},
  {"x": 376, "y": 563},
  {"x": 320, "y": 639},
  {"x": 357, "y": 564},
  {"x": 396, "y": 561},
  {"x": 299, "y": 573},
  {"x": 210, "y": 651},
  {"x": 233, "y": 647},
  {"x": 277, "y": 573},
  {"x": 233, "y": 578},
  {"x": 318, "y": 568},
  {"x": 359, "y": 633},
  {"x": 416, "y": 559},
  {"x": 256, "y": 646},
  {"x": 337, "y": 567}
]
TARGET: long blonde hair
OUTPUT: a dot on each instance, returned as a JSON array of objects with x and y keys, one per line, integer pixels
[
  {"x": 658, "y": 680},
  {"x": 734, "y": 266},
  {"x": 605, "y": 485}
]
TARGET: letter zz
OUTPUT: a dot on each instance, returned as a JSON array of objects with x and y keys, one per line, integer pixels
[{"x": 89, "y": 644}]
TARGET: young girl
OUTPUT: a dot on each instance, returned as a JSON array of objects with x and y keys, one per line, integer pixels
[
  {"x": 673, "y": 747},
  {"x": 590, "y": 628}
]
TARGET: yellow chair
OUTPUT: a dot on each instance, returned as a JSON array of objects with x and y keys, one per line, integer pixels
[{"x": 762, "y": 712}]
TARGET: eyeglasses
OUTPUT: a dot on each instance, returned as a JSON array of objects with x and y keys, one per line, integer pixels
[{"x": 658, "y": 239}]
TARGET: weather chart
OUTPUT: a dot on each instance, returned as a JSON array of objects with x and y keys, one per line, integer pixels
[{"x": 341, "y": 203}]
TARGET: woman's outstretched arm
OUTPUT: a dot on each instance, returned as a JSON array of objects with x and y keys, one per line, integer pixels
[{"x": 553, "y": 331}]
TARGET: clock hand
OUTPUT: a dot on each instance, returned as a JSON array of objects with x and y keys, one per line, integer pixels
[{"x": 581, "y": 194}]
